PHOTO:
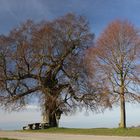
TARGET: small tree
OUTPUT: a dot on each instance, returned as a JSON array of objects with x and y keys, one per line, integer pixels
[
  {"x": 115, "y": 58},
  {"x": 43, "y": 61}
]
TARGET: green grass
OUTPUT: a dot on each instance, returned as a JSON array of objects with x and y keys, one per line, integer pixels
[{"x": 94, "y": 131}]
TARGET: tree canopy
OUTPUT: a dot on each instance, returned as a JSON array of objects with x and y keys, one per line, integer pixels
[
  {"x": 55, "y": 63},
  {"x": 45, "y": 60},
  {"x": 115, "y": 61}
]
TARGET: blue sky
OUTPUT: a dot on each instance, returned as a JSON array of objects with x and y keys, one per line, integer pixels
[{"x": 99, "y": 13}]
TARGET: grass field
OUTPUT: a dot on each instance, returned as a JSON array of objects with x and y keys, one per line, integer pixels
[{"x": 94, "y": 131}]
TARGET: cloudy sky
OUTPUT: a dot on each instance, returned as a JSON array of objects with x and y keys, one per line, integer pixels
[{"x": 99, "y": 13}]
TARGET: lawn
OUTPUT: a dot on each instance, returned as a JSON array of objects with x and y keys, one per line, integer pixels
[{"x": 93, "y": 131}]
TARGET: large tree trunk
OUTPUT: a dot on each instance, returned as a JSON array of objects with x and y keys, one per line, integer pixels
[
  {"x": 49, "y": 115},
  {"x": 52, "y": 120},
  {"x": 122, "y": 107}
]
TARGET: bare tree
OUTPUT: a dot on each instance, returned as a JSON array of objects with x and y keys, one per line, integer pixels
[
  {"x": 115, "y": 62},
  {"x": 44, "y": 61}
]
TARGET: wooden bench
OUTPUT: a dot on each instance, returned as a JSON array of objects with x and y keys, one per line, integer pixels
[{"x": 36, "y": 126}]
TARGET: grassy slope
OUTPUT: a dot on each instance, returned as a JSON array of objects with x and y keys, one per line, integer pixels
[{"x": 94, "y": 131}]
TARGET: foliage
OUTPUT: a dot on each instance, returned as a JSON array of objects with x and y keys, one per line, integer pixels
[
  {"x": 115, "y": 64},
  {"x": 45, "y": 61}
]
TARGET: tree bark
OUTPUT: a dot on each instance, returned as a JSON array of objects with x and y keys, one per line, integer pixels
[
  {"x": 122, "y": 107},
  {"x": 49, "y": 116},
  {"x": 52, "y": 120}
]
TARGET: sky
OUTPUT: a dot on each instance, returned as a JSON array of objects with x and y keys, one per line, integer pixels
[{"x": 99, "y": 13}]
